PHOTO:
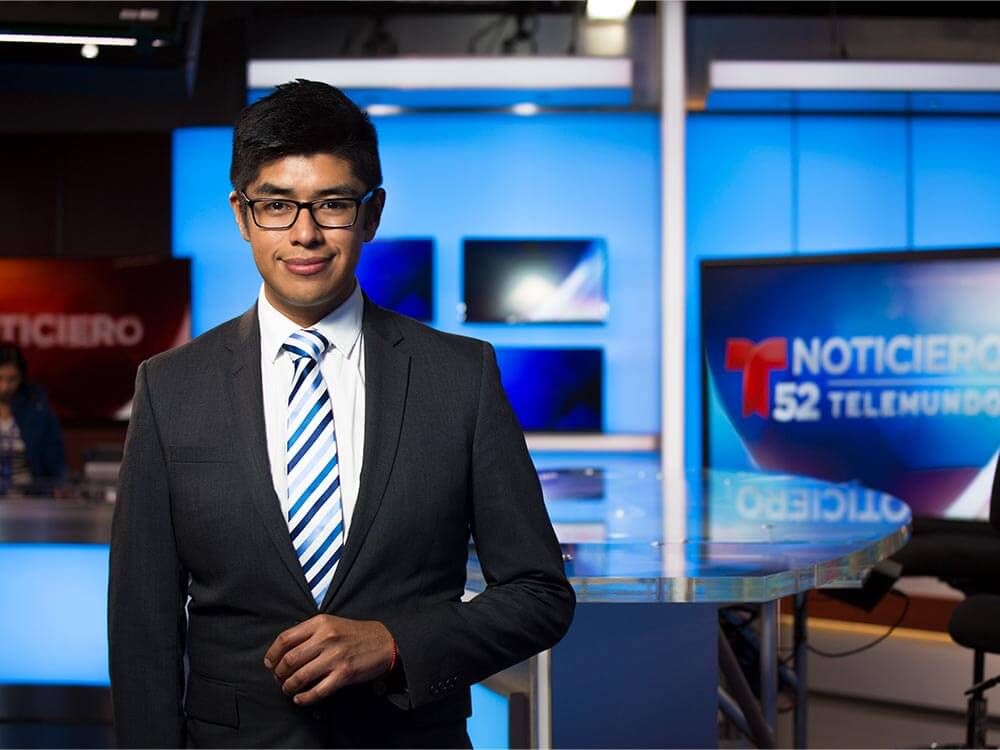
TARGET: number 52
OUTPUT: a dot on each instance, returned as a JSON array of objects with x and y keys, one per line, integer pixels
[{"x": 787, "y": 404}]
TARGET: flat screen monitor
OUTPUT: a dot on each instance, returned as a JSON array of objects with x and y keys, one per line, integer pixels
[
  {"x": 535, "y": 281},
  {"x": 554, "y": 390},
  {"x": 399, "y": 274},
  {"x": 882, "y": 369}
]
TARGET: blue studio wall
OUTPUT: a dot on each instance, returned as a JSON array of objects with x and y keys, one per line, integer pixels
[
  {"x": 789, "y": 183},
  {"x": 451, "y": 176},
  {"x": 758, "y": 184}
]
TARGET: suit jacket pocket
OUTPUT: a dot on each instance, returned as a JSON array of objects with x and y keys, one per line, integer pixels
[
  {"x": 454, "y": 708},
  {"x": 198, "y": 454},
  {"x": 212, "y": 701}
]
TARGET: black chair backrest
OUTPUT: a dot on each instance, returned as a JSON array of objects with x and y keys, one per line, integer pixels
[{"x": 995, "y": 498}]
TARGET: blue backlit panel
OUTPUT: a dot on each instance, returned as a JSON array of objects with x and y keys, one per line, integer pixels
[
  {"x": 852, "y": 183},
  {"x": 553, "y": 390},
  {"x": 54, "y": 630},
  {"x": 535, "y": 281},
  {"x": 879, "y": 369},
  {"x": 739, "y": 202},
  {"x": 453, "y": 176},
  {"x": 956, "y": 181},
  {"x": 488, "y": 727},
  {"x": 399, "y": 275}
]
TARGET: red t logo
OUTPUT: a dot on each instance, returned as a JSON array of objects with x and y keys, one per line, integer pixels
[{"x": 756, "y": 361}]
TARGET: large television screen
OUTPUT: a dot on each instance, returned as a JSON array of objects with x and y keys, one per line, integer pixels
[
  {"x": 882, "y": 369},
  {"x": 399, "y": 274},
  {"x": 553, "y": 390},
  {"x": 535, "y": 281}
]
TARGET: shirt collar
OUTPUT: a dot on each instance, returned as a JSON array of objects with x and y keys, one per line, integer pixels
[{"x": 342, "y": 326}]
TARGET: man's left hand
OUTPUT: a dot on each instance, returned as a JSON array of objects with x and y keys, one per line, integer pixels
[{"x": 325, "y": 653}]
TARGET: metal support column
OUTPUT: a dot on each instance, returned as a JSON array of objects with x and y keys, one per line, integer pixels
[
  {"x": 800, "y": 642},
  {"x": 769, "y": 624}
]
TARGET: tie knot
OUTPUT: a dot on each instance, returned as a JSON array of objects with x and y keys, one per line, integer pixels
[{"x": 306, "y": 343}]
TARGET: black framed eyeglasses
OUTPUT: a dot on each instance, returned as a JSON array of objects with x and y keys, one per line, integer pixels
[{"x": 340, "y": 212}]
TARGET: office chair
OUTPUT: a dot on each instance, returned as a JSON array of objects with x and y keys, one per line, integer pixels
[{"x": 975, "y": 624}]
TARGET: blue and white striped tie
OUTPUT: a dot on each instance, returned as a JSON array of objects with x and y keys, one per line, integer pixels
[{"x": 315, "y": 513}]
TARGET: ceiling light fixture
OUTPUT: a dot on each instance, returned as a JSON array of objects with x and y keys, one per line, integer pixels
[
  {"x": 104, "y": 41},
  {"x": 89, "y": 51},
  {"x": 437, "y": 73},
  {"x": 760, "y": 75},
  {"x": 609, "y": 10}
]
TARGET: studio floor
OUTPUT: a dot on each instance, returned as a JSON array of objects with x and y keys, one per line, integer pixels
[{"x": 836, "y": 722}]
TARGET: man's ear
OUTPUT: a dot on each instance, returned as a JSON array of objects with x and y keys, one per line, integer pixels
[
  {"x": 373, "y": 214},
  {"x": 239, "y": 213}
]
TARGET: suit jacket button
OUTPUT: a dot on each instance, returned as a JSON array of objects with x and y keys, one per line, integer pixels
[
  {"x": 317, "y": 715},
  {"x": 379, "y": 688}
]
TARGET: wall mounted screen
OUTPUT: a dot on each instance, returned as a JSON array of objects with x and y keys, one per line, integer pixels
[
  {"x": 554, "y": 390},
  {"x": 884, "y": 369},
  {"x": 399, "y": 275},
  {"x": 86, "y": 325},
  {"x": 535, "y": 281}
]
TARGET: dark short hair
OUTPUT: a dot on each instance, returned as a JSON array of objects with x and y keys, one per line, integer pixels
[
  {"x": 11, "y": 354},
  {"x": 304, "y": 117}
]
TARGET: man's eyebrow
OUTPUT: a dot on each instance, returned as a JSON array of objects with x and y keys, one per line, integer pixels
[
  {"x": 342, "y": 189},
  {"x": 269, "y": 188}
]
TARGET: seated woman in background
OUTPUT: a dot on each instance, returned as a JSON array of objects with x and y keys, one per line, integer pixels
[{"x": 31, "y": 446}]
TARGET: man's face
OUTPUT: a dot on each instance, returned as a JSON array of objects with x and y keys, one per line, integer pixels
[{"x": 307, "y": 270}]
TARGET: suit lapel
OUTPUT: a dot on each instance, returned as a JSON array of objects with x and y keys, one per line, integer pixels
[
  {"x": 246, "y": 405},
  {"x": 387, "y": 377}
]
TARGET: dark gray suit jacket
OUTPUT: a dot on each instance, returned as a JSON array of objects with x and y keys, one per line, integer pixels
[{"x": 197, "y": 516}]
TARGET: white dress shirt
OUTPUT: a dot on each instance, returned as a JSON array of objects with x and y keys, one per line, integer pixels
[{"x": 343, "y": 368}]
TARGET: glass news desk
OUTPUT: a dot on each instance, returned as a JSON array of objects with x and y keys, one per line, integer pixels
[
  {"x": 639, "y": 664},
  {"x": 638, "y": 667}
]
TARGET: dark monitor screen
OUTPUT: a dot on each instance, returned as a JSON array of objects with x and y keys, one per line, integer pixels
[
  {"x": 554, "y": 390},
  {"x": 535, "y": 281},
  {"x": 882, "y": 369},
  {"x": 399, "y": 275}
]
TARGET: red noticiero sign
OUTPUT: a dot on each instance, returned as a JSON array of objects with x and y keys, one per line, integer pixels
[{"x": 85, "y": 325}]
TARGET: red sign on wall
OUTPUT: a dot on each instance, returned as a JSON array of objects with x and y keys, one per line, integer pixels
[{"x": 85, "y": 325}]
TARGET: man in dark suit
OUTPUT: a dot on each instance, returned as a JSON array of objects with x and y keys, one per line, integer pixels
[{"x": 300, "y": 484}]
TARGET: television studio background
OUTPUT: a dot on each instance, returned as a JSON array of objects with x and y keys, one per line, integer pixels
[{"x": 739, "y": 262}]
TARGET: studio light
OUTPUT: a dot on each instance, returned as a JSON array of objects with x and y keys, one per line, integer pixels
[
  {"x": 106, "y": 41},
  {"x": 609, "y": 10},
  {"x": 525, "y": 109}
]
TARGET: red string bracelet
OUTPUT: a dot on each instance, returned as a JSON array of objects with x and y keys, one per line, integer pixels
[{"x": 395, "y": 657}]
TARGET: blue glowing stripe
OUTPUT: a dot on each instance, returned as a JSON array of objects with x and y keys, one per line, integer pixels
[
  {"x": 939, "y": 102},
  {"x": 749, "y": 101},
  {"x": 957, "y": 102},
  {"x": 480, "y": 98}
]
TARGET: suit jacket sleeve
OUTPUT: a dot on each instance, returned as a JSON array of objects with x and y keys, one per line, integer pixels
[
  {"x": 528, "y": 603},
  {"x": 147, "y": 592}
]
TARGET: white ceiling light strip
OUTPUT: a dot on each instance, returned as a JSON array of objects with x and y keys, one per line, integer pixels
[
  {"x": 755, "y": 75},
  {"x": 101, "y": 41},
  {"x": 532, "y": 73},
  {"x": 609, "y": 10}
]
